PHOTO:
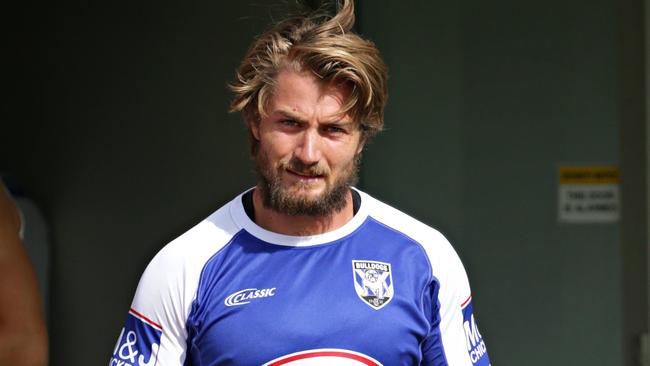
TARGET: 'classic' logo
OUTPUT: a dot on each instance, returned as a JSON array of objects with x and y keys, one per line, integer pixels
[{"x": 245, "y": 296}]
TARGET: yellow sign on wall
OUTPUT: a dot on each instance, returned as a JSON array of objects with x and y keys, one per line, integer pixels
[
  {"x": 588, "y": 194},
  {"x": 606, "y": 174}
]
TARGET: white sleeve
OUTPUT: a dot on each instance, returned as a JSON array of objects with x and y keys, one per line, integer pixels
[
  {"x": 155, "y": 331},
  {"x": 456, "y": 341}
]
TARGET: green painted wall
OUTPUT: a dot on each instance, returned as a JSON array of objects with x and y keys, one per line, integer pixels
[{"x": 487, "y": 100}]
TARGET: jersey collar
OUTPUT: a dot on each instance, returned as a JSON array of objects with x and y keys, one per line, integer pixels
[{"x": 242, "y": 220}]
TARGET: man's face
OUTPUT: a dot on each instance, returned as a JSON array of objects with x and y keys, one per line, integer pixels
[{"x": 308, "y": 150}]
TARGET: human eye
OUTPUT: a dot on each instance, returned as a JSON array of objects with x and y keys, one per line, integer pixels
[
  {"x": 289, "y": 123},
  {"x": 335, "y": 130}
]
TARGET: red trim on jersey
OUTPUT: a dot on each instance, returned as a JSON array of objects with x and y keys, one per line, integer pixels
[
  {"x": 145, "y": 319},
  {"x": 466, "y": 301},
  {"x": 361, "y": 359}
]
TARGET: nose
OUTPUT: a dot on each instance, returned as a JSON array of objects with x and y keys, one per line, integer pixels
[{"x": 308, "y": 149}]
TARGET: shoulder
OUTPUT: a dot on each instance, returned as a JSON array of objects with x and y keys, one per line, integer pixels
[
  {"x": 175, "y": 269},
  {"x": 9, "y": 214},
  {"x": 438, "y": 250},
  {"x": 429, "y": 238},
  {"x": 201, "y": 241}
]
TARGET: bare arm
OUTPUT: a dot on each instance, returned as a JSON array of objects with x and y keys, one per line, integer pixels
[{"x": 23, "y": 337}]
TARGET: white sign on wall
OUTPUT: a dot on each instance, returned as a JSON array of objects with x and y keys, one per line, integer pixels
[{"x": 588, "y": 194}]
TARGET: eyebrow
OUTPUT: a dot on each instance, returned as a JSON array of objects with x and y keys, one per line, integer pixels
[{"x": 293, "y": 116}]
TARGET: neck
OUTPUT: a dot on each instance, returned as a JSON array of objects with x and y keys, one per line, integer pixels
[{"x": 300, "y": 225}]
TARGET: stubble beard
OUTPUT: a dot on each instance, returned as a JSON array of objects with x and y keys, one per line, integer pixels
[{"x": 278, "y": 198}]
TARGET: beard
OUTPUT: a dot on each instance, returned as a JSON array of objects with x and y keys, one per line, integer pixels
[{"x": 282, "y": 199}]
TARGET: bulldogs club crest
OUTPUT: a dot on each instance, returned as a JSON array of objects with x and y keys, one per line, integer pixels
[{"x": 373, "y": 282}]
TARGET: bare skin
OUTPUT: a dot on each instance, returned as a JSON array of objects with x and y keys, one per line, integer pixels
[
  {"x": 305, "y": 122},
  {"x": 23, "y": 336}
]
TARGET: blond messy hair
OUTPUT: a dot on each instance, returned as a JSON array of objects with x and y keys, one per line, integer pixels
[{"x": 325, "y": 46}]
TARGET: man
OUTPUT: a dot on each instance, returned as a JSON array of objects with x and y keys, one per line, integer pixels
[
  {"x": 23, "y": 337},
  {"x": 304, "y": 269}
]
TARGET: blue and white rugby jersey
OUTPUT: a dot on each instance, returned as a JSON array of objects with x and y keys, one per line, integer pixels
[{"x": 384, "y": 289}]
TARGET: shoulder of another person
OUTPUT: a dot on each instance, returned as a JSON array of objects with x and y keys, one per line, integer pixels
[{"x": 9, "y": 212}]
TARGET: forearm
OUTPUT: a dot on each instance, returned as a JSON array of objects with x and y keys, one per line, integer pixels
[
  {"x": 24, "y": 347},
  {"x": 23, "y": 336}
]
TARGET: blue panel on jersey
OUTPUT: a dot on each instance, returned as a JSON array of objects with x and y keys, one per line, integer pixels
[
  {"x": 258, "y": 302},
  {"x": 475, "y": 345},
  {"x": 138, "y": 343}
]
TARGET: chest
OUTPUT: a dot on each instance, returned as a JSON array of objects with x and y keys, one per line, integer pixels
[{"x": 257, "y": 304}]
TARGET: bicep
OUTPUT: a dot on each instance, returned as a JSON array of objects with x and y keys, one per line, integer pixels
[
  {"x": 22, "y": 327},
  {"x": 454, "y": 339},
  {"x": 154, "y": 331},
  {"x": 445, "y": 342}
]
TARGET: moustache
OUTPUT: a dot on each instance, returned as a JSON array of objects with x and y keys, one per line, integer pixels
[{"x": 299, "y": 167}]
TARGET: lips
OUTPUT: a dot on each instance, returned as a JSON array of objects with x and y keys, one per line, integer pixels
[{"x": 306, "y": 176}]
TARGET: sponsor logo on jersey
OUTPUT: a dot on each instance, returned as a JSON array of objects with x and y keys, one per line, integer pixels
[
  {"x": 475, "y": 344},
  {"x": 373, "y": 282},
  {"x": 138, "y": 343},
  {"x": 245, "y": 296},
  {"x": 324, "y": 357}
]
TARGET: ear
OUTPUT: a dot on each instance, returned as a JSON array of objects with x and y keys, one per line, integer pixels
[
  {"x": 362, "y": 144},
  {"x": 360, "y": 147},
  {"x": 254, "y": 127}
]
